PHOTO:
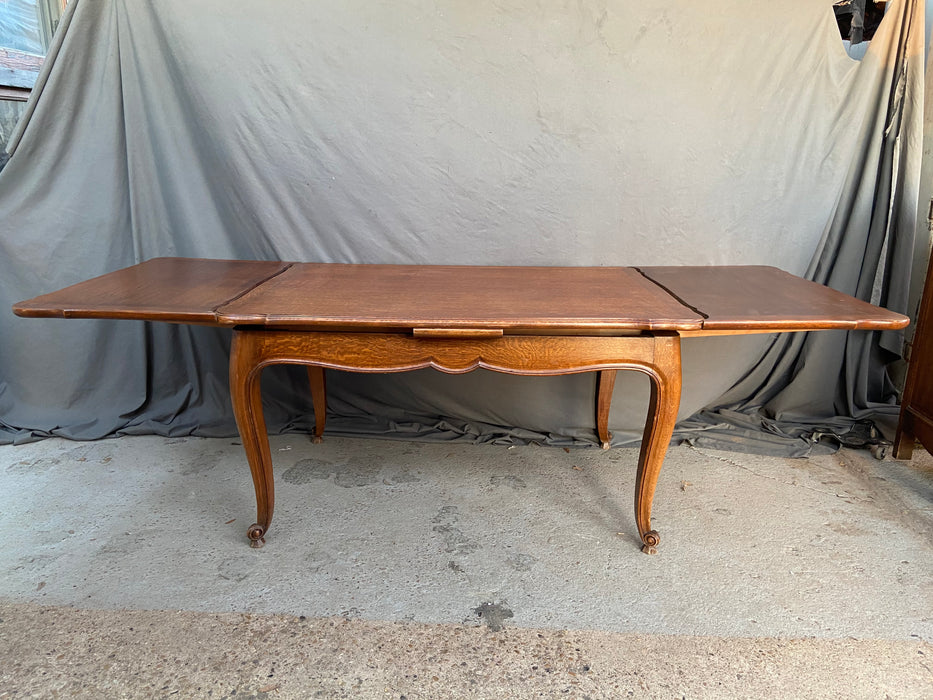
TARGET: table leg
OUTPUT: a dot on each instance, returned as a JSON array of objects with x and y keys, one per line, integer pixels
[
  {"x": 658, "y": 356},
  {"x": 319, "y": 398},
  {"x": 605, "y": 383},
  {"x": 665, "y": 375},
  {"x": 904, "y": 439},
  {"x": 245, "y": 370}
]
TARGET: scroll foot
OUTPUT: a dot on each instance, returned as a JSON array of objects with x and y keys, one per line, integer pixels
[
  {"x": 316, "y": 439},
  {"x": 651, "y": 540},
  {"x": 256, "y": 534}
]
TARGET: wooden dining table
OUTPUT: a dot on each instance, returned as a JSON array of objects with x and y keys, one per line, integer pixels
[{"x": 517, "y": 320}]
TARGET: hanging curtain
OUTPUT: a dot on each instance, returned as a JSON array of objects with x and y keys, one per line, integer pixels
[
  {"x": 591, "y": 133},
  {"x": 818, "y": 385}
]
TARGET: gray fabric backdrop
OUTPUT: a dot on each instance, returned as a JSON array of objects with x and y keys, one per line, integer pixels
[{"x": 575, "y": 133}]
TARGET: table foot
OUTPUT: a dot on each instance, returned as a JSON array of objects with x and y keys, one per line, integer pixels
[
  {"x": 256, "y": 534},
  {"x": 651, "y": 539}
]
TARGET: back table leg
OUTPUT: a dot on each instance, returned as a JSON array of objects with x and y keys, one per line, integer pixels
[
  {"x": 319, "y": 397},
  {"x": 605, "y": 383}
]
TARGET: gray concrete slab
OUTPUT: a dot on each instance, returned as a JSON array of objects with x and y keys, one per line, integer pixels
[
  {"x": 68, "y": 653},
  {"x": 835, "y": 548}
]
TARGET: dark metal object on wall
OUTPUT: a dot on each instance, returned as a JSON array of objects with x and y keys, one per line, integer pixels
[{"x": 858, "y": 19}]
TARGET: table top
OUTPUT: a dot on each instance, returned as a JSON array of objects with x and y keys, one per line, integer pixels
[{"x": 402, "y": 298}]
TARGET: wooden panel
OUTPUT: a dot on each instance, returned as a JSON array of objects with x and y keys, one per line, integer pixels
[
  {"x": 918, "y": 394},
  {"x": 469, "y": 300},
  {"x": 924, "y": 433},
  {"x": 917, "y": 401},
  {"x": 511, "y": 354},
  {"x": 455, "y": 333},
  {"x": 766, "y": 298},
  {"x": 19, "y": 69},
  {"x": 177, "y": 290},
  {"x": 14, "y": 94},
  {"x": 515, "y": 299},
  {"x": 20, "y": 60}
]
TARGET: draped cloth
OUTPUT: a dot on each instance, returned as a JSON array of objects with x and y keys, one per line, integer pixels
[{"x": 593, "y": 133}]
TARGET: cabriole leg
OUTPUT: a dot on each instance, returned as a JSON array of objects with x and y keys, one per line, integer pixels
[
  {"x": 665, "y": 377},
  {"x": 245, "y": 370},
  {"x": 605, "y": 382}
]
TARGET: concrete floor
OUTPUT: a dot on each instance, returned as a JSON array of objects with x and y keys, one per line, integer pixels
[{"x": 415, "y": 570}]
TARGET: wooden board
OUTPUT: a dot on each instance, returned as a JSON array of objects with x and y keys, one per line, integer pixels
[
  {"x": 513, "y": 299},
  {"x": 747, "y": 298},
  {"x": 177, "y": 290},
  {"x": 462, "y": 301}
]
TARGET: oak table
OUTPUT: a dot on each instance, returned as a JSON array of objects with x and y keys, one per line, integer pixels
[{"x": 519, "y": 320}]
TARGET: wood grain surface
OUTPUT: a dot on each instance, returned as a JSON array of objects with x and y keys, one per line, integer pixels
[
  {"x": 463, "y": 301},
  {"x": 176, "y": 290},
  {"x": 916, "y": 419},
  {"x": 513, "y": 299},
  {"x": 736, "y": 298}
]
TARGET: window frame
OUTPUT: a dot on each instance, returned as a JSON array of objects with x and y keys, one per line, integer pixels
[{"x": 19, "y": 69}]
